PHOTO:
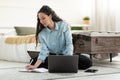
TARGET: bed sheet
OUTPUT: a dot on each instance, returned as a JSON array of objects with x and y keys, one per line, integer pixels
[{"x": 15, "y": 52}]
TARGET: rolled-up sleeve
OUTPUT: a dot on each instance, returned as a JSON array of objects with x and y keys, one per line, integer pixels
[{"x": 43, "y": 50}]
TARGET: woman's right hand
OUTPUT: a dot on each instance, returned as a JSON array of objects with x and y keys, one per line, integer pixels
[{"x": 30, "y": 67}]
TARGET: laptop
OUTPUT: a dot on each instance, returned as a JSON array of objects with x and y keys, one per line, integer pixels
[
  {"x": 63, "y": 64},
  {"x": 33, "y": 54}
]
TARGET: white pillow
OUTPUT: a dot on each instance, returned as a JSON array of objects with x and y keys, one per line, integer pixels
[{"x": 8, "y": 32}]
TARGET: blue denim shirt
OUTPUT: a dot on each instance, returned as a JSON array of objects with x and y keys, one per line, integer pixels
[{"x": 57, "y": 41}]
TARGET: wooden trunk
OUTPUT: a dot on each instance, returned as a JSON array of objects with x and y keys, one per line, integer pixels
[{"x": 95, "y": 44}]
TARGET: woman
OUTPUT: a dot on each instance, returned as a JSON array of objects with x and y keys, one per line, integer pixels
[{"x": 54, "y": 35}]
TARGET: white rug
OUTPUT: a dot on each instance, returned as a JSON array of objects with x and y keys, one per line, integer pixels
[
  {"x": 106, "y": 63},
  {"x": 10, "y": 71},
  {"x": 96, "y": 77},
  {"x": 8, "y": 64},
  {"x": 14, "y": 74}
]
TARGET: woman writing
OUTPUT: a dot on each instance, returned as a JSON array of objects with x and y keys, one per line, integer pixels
[{"x": 54, "y": 35}]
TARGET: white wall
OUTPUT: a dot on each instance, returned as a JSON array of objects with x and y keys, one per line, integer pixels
[
  {"x": 23, "y": 12},
  {"x": 18, "y": 13}
]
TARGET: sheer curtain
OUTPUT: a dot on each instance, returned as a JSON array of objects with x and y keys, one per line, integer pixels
[
  {"x": 117, "y": 15},
  {"x": 103, "y": 15}
]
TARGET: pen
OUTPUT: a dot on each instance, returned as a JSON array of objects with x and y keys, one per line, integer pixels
[{"x": 31, "y": 61}]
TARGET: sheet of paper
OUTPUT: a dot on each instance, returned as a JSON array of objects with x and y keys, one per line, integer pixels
[{"x": 39, "y": 70}]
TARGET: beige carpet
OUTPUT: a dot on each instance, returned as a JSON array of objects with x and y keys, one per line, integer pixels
[
  {"x": 14, "y": 74},
  {"x": 11, "y": 72}
]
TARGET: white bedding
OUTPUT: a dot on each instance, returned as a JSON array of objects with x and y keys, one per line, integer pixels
[
  {"x": 8, "y": 32},
  {"x": 15, "y": 52}
]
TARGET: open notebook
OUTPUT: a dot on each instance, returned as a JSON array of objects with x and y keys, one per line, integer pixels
[{"x": 37, "y": 70}]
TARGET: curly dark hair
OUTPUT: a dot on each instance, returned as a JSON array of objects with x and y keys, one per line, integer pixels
[{"x": 48, "y": 11}]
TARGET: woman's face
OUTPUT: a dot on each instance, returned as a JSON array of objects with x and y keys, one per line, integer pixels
[{"x": 44, "y": 19}]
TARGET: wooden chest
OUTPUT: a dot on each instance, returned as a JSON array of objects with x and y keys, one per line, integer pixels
[{"x": 96, "y": 42}]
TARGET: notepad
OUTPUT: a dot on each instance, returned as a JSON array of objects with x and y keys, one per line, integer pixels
[{"x": 37, "y": 70}]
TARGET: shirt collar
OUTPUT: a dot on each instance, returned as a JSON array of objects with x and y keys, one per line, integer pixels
[{"x": 56, "y": 28}]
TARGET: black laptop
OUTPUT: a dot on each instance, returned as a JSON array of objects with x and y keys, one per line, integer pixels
[{"x": 63, "y": 64}]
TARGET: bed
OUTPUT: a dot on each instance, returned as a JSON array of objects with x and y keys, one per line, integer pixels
[{"x": 14, "y": 47}]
